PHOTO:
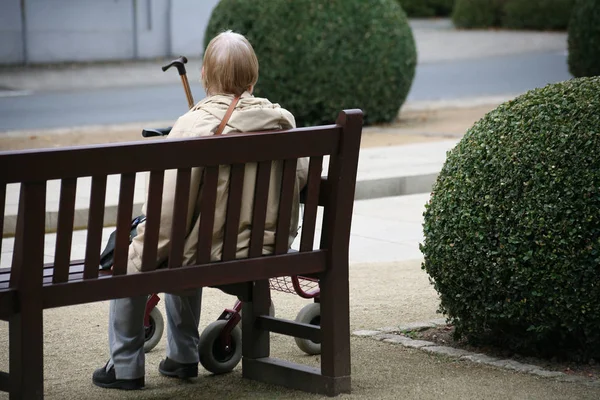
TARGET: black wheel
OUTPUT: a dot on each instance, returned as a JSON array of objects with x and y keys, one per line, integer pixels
[
  {"x": 154, "y": 331},
  {"x": 214, "y": 356},
  {"x": 310, "y": 314}
]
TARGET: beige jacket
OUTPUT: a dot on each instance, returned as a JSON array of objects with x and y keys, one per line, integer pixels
[{"x": 250, "y": 114}]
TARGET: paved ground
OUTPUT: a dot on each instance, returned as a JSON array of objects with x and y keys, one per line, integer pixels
[{"x": 388, "y": 288}]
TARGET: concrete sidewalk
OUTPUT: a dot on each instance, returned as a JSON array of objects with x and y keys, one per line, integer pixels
[{"x": 382, "y": 171}]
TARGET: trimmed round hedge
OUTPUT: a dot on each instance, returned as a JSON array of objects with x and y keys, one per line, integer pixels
[
  {"x": 513, "y": 14},
  {"x": 473, "y": 14},
  {"x": 427, "y": 8},
  {"x": 318, "y": 57},
  {"x": 537, "y": 14},
  {"x": 584, "y": 39},
  {"x": 512, "y": 229}
]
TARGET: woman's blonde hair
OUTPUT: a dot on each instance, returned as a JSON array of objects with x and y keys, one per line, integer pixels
[{"x": 230, "y": 65}]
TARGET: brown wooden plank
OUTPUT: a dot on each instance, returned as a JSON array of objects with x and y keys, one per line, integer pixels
[
  {"x": 46, "y": 164},
  {"x": 289, "y": 328},
  {"x": 169, "y": 280},
  {"x": 207, "y": 214},
  {"x": 2, "y": 205},
  {"x": 124, "y": 216},
  {"x": 311, "y": 203},
  {"x": 4, "y": 382},
  {"x": 259, "y": 211},
  {"x": 180, "y": 210},
  {"x": 64, "y": 230},
  {"x": 8, "y": 303},
  {"x": 153, "y": 210},
  {"x": 18, "y": 246},
  {"x": 294, "y": 376},
  {"x": 288, "y": 181},
  {"x": 234, "y": 203},
  {"x": 335, "y": 308},
  {"x": 256, "y": 341},
  {"x": 26, "y": 327},
  {"x": 95, "y": 225}
]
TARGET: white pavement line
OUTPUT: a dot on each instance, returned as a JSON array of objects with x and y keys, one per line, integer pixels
[
  {"x": 468, "y": 102},
  {"x": 15, "y": 93},
  {"x": 389, "y": 335}
]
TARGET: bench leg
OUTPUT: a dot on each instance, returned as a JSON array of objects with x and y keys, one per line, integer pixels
[
  {"x": 26, "y": 330},
  {"x": 255, "y": 342},
  {"x": 335, "y": 329},
  {"x": 26, "y": 355}
]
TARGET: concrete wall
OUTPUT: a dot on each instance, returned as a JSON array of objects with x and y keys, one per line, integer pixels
[
  {"x": 83, "y": 30},
  {"x": 95, "y": 30},
  {"x": 11, "y": 45},
  {"x": 189, "y": 20}
]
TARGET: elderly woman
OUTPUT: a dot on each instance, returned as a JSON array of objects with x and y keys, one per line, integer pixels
[{"x": 229, "y": 73}]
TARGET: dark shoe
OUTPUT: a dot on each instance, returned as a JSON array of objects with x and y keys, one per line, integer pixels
[
  {"x": 172, "y": 368},
  {"x": 108, "y": 379}
]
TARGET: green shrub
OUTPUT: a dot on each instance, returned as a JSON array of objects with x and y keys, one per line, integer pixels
[
  {"x": 318, "y": 57},
  {"x": 427, "y": 8},
  {"x": 537, "y": 14},
  {"x": 472, "y": 14},
  {"x": 512, "y": 230},
  {"x": 512, "y": 14},
  {"x": 584, "y": 39}
]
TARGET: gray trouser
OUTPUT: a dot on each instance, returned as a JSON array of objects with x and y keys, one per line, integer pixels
[{"x": 126, "y": 332}]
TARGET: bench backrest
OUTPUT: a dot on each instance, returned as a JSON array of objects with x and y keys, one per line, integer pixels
[{"x": 59, "y": 286}]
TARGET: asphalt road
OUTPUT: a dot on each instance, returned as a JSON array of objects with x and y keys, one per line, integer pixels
[{"x": 494, "y": 76}]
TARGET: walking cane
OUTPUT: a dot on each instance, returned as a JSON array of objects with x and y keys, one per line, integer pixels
[{"x": 179, "y": 64}]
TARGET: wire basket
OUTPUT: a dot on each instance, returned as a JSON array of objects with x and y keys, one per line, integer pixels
[{"x": 303, "y": 286}]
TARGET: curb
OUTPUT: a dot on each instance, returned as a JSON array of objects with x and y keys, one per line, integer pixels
[
  {"x": 393, "y": 335},
  {"x": 365, "y": 190},
  {"x": 467, "y": 102}
]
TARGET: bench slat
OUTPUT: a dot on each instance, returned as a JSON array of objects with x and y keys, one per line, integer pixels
[
  {"x": 95, "y": 225},
  {"x": 289, "y": 328},
  {"x": 64, "y": 231},
  {"x": 8, "y": 302},
  {"x": 4, "y": 382},
  {"x": 309, "y": 219},
  {"x": 207, "y": 214},
  {"x": 46, "y": 164},
  {"x": 234, "y": 203},
  {"x": 294, "y": 376},
  {"x": 124, "y": 214},
  {"x": 286, "y": 198},
  {"x": 165, "y": 280},
  {"x": 180, "y": 210},
  {"x": 152, "y": 225},
  {"x": 2, "y": 205},
  {"x": 18, "y": 246},
  {"x": 259, "y": 212}
]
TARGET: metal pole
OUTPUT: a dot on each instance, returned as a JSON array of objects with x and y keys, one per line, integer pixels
[
  {"x": 24, "y": 37},
  {"x": 169, "y": 49},
  {"x": 135, "y": 30}
]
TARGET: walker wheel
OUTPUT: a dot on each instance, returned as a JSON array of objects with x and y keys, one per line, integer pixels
[
  {"x": 214, "y": 356},
  {"x": 310, "y": 314},
  {"x": 154, "y": 331}
]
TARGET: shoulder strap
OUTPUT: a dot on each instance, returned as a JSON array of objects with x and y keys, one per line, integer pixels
[{"x": 227, "y": 115}]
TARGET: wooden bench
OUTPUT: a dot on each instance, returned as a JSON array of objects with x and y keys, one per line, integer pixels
[{"x": 30, "y": 286}]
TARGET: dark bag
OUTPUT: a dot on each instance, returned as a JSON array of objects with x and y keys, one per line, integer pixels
[{"x": 107, "y": 258}]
